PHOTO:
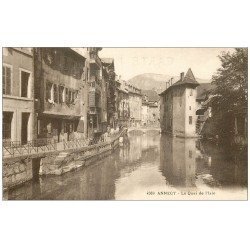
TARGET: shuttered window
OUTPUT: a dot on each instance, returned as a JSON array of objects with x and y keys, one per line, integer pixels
[
  {"x": 25, "y": 76},
  {"x": 190, "y": 120},
  {"x": 48, "y": 90},
  {"x": 61, "y": 88},
  {"x": 70, "y": 96},
  {"x": 55, "y": 93},
  {"x": 66, "y": 95},
  {"x": 6, "y": 80}
]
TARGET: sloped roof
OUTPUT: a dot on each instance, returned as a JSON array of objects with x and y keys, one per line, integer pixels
[
  {"x": 187, "y": 79},
  {"x": 79, "y": 51}
]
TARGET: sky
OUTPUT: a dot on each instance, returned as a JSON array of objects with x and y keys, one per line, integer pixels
[{"x": 130, "y": 62}]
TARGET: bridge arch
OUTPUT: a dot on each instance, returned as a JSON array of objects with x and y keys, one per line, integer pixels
[{"x": 143, "y": 130}]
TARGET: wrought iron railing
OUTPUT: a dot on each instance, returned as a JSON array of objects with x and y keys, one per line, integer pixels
[{"x": 16, "y": 148}]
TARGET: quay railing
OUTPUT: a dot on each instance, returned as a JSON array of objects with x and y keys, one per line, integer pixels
[
  {"x": 16, "y": 148},
  {"x": 43, "y": 145}
]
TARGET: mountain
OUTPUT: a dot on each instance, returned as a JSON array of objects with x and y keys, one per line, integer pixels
[{"x": 157, "y": 82}]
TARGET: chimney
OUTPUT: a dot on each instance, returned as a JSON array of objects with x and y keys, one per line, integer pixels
[
  {"x": 182, "y": 76},
  {"x": 171, "y": 81}
]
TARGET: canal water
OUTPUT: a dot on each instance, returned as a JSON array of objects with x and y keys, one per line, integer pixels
[{"x": 149, "y": 167}]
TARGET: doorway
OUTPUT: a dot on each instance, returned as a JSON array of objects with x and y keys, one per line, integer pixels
[
  {"x": 24, "y": 128},
  {"x": 7, "y": 126}
]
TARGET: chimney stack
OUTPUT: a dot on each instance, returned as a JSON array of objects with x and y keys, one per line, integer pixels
[
  {"x": 167, "y": 85},
  {"x": 171, "y": 81},
  {"x": 182, "y": 76}
]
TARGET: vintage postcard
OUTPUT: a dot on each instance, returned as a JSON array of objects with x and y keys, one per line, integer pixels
[{"x": 124, "y": 123}]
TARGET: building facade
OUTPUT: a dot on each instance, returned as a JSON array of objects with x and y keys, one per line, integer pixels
[
  {"x": 111, "y": 92},
  {"x": 18, "y": 95},
  {"x": 59, "y": 93},
  {"x": 135, "y": 105},
  {"x": 150, "y": 108},
  {"x": 144, "y": 111},
  {"x": 95, "y": 93},
  {"x": 104, "y": 99},
  {"x": 153, "y": 113},
  {"x": 123, "y": 104},
  {"x": 178, "y": 106}
]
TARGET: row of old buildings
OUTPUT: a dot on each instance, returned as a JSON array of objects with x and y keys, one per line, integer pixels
[{"x": 66, "y": 94}]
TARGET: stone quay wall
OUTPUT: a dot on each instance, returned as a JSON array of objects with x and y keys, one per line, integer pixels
[
  {"x": 17, "y": 172},
  {"x": 21, "y": 169}
]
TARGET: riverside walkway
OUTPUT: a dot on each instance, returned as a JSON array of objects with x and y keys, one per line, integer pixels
[{"x": 44, "y": 146}]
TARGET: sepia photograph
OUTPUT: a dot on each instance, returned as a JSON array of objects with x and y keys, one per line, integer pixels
[
  {"x": 124, "y": 125},
  {"x": 103, "y": 123}
]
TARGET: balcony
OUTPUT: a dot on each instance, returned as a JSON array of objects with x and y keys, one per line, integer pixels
[
  {"x": 95, "y": 61},
  {"x": 94, "y": 84},
  {"x": 94, "y": 102},
  {"x": 94, "y": 110},
  {"x": 95, "y": 80},
  {"x": 64, "y": 109}
]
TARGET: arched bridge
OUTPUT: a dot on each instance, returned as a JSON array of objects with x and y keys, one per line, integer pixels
[{"x": 144, "y": 130}]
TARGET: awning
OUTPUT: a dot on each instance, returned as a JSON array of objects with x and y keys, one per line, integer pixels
[{"x": 60, "y": 116}]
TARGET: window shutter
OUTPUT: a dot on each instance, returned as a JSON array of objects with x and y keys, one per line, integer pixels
[
  {"x": 8, "y": 80},
  {"x": 3, "y": 81},
  {"x": 66, "y": 95},
  {"x": 69, "y": 96},
  {"x": 49, "y": 128},
  {"x": 60, "y": 94},
  {"x": 55, "y": 93},
  {"x": 47, "y": 91}
]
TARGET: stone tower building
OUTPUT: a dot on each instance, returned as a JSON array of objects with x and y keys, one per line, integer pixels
[{"x": 178, "y": 106}]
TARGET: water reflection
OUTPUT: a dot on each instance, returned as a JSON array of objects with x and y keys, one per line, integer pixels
[
  {"x": 178, "y": 161},
  {"x": 144, "y": 163},
  {"x": 227, "y": 165},
  {"x": 187, "y": 162}
]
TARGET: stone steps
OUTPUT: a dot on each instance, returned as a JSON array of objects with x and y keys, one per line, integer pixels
[{"x": 61, "y": 157}]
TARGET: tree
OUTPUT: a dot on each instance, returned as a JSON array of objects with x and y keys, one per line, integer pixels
[
  {"x": 231, "y": 81},
  {"x": 230, "y": 91}
]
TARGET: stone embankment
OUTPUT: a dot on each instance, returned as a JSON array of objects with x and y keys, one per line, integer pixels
[{"x": 25, "y": 168}]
